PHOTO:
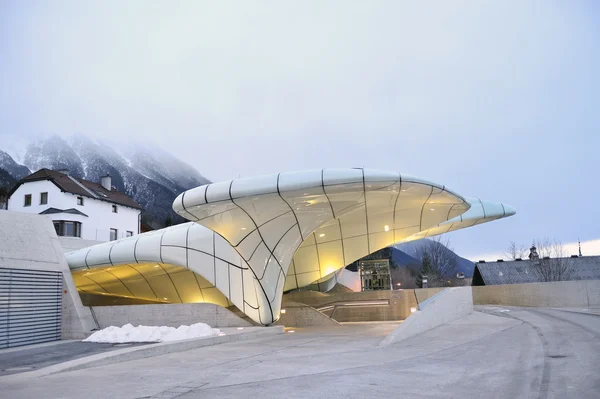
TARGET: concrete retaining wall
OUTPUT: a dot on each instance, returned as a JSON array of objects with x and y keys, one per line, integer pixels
[
  {"x": 301, "y": 315},
  {"x": 556, "y": 294},
  {"x": 593, "y": 293},
  {"x": 29, "y": 241},
  {"x": 172, "y": 315},
  {"x": 397, "y": 304},
  {"x": 312, "y": 298},
  {"x": 112, "y": 300},
  {"x": 449, "y": 305},
  {"x": 398, "y": 307},
  {"x": 423, "y": 294}
]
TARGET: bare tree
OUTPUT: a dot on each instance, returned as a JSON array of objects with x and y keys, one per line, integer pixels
[
  {"x": 515, "y": 251},
  {"x": 439, "y": 262},
  {"x": 553, "y": 264}
]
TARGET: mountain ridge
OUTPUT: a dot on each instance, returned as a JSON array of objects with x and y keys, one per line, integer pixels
[
  {"x": 462, "y": 265},
  {"x": 151, "y": 176}
]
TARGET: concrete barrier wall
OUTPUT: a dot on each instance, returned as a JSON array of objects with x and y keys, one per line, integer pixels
[
  {"x": 318, "y": 299},
  {"x": 399, "y": 303},
  {"x": 312, "y": 298},
  {"x": 112, "y": 300},
  {"x": 71, "y": 324},
  {"x": 593, "y": 293},
  {"x": 301, "y": 315},
  {"x": 451, "y": 304},
  {"x": 29, "y": 241},
  {"x": 397, "y": 307},
  {"x": 555, "y": 294},
  {"x": 172, "y": 315},
  {"x": 423, "y": 294}
]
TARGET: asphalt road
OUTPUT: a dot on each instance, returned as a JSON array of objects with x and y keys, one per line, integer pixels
[
  {"x": 28, "y": 359},
  {"x": 513, "y": 353}
]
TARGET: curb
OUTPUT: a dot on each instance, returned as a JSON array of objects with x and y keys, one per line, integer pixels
[
  {"x": 141, "y": 352},
  {"x": 588, "y": 311}
]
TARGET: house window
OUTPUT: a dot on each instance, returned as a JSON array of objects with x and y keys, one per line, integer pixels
[
  {"x": 113, "y": 234},
  {"x": 65, "y": 228},
  {"x": 80, "y": 200},
  {"x": 43, "y": 198},
  {"x": 27, "y": 200},
  {"x": 114, "y": 209},
  {"x": 129, "y": 233}
]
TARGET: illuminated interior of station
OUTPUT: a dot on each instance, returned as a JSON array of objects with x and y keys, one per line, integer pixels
[{"x": 251, "y": 239}]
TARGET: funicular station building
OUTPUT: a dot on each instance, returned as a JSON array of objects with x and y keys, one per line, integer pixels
[{"x": 249, "y": 240}]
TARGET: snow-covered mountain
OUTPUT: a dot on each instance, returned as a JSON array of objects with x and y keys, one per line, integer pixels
[
  {"x": 151, "y": 176},
  {"x": 10, "y": 171}
]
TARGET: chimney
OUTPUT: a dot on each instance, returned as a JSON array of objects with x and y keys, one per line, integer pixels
[{"x": 106, "y": 182}]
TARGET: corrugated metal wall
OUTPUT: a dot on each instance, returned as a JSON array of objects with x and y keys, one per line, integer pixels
[{"x": 30, "y": 306}]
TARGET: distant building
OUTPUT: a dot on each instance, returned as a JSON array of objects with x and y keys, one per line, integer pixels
[
  {"x": 523, "y": 271},
  {"x": 78, "y": 208}
]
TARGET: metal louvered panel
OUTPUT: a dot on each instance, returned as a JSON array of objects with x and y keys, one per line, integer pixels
[{"x": 30, "y": 306}]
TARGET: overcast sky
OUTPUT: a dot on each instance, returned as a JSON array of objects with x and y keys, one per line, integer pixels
[{"x": 495, "y": 99}]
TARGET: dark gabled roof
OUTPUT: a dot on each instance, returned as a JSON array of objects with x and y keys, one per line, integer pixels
[
  {"x": 520, "y": 272},
  {"x": 72, "y": 211},
  {"x": 73, "y": 185}
]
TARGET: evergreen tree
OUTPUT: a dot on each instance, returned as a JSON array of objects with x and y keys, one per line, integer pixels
[
  {"x": 3, "y": 197},
  {"x": 427, "y": 269}
]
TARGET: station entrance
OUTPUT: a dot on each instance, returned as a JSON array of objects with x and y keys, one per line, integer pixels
[{"x": 375, "y": 275}]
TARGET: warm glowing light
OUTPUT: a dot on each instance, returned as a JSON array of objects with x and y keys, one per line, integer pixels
[
  {"x": 432, "y": 209},
  {"x": 155, "y": 266},
  {"x": 328, "y": 269},
  {"x": 165, "y": 298},
  {"x": 386, "y": 227},
  {"x": 291, "y": 331},
  {"x": 322, "y": 235},
  {"x": 243, "y": 228},
  {"x": 283, "y": 311},
  {"x": 413, "y": 310},
  {"x": 398, "y": 284}
]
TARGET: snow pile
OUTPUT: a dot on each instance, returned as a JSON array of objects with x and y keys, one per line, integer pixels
[{"x": 129, "y": 333}]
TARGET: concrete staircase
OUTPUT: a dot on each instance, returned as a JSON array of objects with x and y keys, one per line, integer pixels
[{"x": 347, "y": 307}]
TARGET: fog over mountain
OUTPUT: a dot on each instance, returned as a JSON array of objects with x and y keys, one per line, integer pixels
[{"x": 150, "y": 175}]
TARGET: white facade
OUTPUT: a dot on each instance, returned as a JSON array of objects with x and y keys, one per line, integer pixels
[
  {"x": 99, "y": 219},
  {"x": 251, "y": 239}
]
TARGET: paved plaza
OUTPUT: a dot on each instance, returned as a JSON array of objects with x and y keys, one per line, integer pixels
[{"x": 497, "y": 352}]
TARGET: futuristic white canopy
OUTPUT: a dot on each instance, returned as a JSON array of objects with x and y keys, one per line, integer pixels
[{"x": 254, "y": 238}]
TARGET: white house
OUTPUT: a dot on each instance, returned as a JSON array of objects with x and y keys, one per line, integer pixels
[{"x": 78, "y": 208}]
